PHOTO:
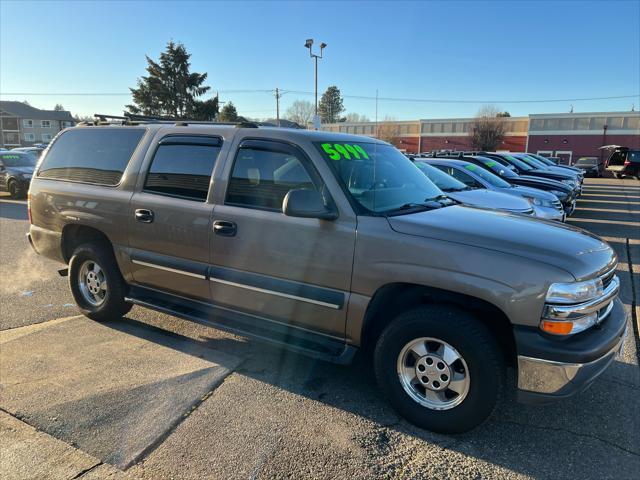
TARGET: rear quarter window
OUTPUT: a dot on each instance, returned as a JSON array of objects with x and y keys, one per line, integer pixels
[{"x": 91, "y": 155}]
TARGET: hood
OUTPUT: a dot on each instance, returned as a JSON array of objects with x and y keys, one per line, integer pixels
[
  {"x": 546, "y": 182},
  {"x": 531, "y": 192},
  {"x": 26, "y": 170},
  {"x": 576, "y": 251},
  {"x": 484, "y": 198},
  {"x": 551, "y": 174}
]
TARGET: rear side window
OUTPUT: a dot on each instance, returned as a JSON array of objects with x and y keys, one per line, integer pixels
[
  {"x": 182, "y": 167},
  {"x": 91, "y": 155}
]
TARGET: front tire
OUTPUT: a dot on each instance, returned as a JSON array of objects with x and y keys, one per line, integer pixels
[
  {"x": 440, "y": 368},
  {"x": 96, "y": 283}
]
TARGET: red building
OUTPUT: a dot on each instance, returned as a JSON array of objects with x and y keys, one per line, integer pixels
[
  {"x": 574, "y": 135},
  {"x": 566, "y": 135}
]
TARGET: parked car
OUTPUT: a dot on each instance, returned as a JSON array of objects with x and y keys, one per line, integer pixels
[
  {"x": 471, "y": 196},
  {"x": 326, "y": 243},
  {"x": 592, "y": 166},
  {"x": 16, "y": 169},
  {"x": 623, "y": 162},
  {"x": 563, "y": 192},
  {"x": 529, "y": 158},
  {"x": 528, "y": 168},
  {"x": 34, "y": 151},
  {"x": 550, "y": 163},
  {"x": 545, "y": 205}
]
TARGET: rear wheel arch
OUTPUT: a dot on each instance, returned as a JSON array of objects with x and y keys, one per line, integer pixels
[
  {"x": 75, "y": 235},
  {"x": 391, "y": 300}
]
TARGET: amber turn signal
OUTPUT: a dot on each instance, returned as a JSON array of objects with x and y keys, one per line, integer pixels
[{"x": 556, "y": 328}]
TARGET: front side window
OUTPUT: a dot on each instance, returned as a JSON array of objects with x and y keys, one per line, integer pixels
[
  {"x": 376, "y": 176},
  {"x": 183, "y": 169},
  {"x": 264, "y": 172}
]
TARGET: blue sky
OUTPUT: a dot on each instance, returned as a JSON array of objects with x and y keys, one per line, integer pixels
[{"x": 480, "y": 51}]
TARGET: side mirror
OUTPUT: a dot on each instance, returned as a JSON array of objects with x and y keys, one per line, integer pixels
[{"x": 307, "y": 204}]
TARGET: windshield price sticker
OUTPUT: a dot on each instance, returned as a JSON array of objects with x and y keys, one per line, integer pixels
[
  {"x": 338, "y": 151},
  {"x": 471, "y": 167},
  {"x": 491, "y": 164}
]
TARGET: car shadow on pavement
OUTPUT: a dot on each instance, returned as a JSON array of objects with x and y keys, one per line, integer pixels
[{"x": 589, "y": 436}]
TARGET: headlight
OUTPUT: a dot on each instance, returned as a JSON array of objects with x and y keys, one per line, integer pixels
[
  {"x": 575, "y": 292},
  {"x": 534, "y": 201}
]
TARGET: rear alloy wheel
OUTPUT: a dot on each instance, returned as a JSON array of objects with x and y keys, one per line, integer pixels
[
  {"x": 96, "y": 282},
  {"x": 440, "y": 367}
]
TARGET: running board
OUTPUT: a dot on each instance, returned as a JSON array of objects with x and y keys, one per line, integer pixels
[{"x": 295, "y": 339}]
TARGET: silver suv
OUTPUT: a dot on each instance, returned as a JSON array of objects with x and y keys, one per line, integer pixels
[{"x": 328, "y": 244}]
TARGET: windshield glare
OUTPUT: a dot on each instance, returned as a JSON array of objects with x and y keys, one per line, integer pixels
[
  {"x": 377, "y": 176},
  {"x": 444, "y": 182},
  {"x": 488, "y": 176},
  {"x": 18, "y": 160}
]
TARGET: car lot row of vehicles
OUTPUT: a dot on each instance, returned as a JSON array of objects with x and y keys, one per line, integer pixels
[
  {"x": 329, "y": 244},
  {"x": 551, "y": 190}
]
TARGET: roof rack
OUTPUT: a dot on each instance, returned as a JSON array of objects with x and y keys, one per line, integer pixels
[{"x": 134, "y": 119}]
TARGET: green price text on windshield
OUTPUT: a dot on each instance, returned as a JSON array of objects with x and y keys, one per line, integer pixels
[
  {"x": 338, "y": 151},
  {"x": 491, "y": 164},
  {"x": 471, "y": 167}
]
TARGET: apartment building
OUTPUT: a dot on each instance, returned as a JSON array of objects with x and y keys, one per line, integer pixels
[{"x": 22, "y": 125}]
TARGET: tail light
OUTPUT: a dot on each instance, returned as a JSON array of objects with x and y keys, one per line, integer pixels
[
  {"x": 29, "y": 207},
  {"x": 627, "y": 162}
]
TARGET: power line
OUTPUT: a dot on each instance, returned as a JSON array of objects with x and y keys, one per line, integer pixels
[{"x": 357, "y": 97}]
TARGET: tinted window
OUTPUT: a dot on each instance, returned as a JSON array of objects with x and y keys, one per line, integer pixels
[
  {"x": 262, "y": 176},
  {"x": 92, "y": 155},
  {"x": 465, "y": 178},
  {"x": 444, "y": 182},
  {"x": 182, "y": 170}
]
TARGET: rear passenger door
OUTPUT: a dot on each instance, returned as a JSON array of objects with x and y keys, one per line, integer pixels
[
  {"x": 170, "y": 218},
  {"x": 290, "y": 270}
]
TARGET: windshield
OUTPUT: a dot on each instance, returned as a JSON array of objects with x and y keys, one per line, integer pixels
[
  {"x": 541, "y": 159},
  {"x": 378, "y": 177},
  {"x": 519, "y": 163},
  {"x": 18, "y": 160},
  {"x": 587, "y": 161},
  {"x": 444, "y": 182},
  {"x": 534, "y": 162},
  {"x": 488, "y": 176}
]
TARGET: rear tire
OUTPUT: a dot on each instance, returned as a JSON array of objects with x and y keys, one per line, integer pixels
[
  {"x": 440, "y": 368},
  {"x": 96, "y": 283},
  {"x": 15, "y": 190}
]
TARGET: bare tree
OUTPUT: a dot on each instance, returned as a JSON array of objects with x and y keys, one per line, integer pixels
[
  {"x": 388, "y": 131},
  {"x": 355, "y": 117},
  {"x": 487, "y": 129},
  {"x": 300, "y": 112}
]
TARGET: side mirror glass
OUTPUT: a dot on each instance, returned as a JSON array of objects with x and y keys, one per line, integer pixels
[{"x": 307, "y": 204}]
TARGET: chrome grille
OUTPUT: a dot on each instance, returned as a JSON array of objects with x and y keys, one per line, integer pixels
[{"x": 607, "y": 277}]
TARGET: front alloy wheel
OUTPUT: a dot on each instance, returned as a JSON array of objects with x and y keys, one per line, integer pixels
[
  {"x": 92, "y": 283},
  {"x": 433, "y": 373}
]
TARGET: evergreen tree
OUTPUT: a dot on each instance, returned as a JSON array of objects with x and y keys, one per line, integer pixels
[
  {"x": 330, "y": 106},
  {"x": 171, "y": 90},
  {"x": 228, "y": 113}
]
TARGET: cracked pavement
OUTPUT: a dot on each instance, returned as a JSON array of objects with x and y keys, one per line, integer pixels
[{"x": 271, "y": 413}]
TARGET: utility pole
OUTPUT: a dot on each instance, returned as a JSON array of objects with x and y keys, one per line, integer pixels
[
  {"x": 308, "y": 44},
  {"x": 278, "y": 95}
]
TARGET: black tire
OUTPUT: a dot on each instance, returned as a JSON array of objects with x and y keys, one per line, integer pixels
[
  {"x": 113, "y": 306},
  {"x": 15, "y": 190},
  {"x": 616, "y": 175},
  {"x": 473, "y": 341}
]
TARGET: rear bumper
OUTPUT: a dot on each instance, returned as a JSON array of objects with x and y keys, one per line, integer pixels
[{"x": 550, "y": 369}]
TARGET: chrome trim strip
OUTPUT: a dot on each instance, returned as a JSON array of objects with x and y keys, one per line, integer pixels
[
  {"x": 272, "y": 292},
  {"x": 563, "y": 312},
  {"x": 168, "y": 269}
]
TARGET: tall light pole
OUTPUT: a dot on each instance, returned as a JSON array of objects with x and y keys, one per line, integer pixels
[{"x": 309, "y": 44}]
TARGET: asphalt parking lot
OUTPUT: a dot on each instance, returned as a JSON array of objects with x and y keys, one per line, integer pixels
[{"x": 154, "y": 396}]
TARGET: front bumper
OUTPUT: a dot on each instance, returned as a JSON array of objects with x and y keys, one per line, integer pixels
[
  {"x": 552, "y": 369},
  {"x": 550, "y": 213}
]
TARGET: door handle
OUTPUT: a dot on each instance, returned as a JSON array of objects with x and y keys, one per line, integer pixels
[
  {"x": 225, "y": 228},
  {"x": 143, "y": 215}
]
